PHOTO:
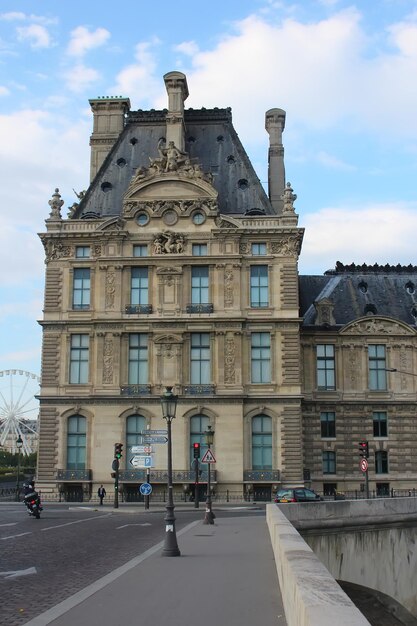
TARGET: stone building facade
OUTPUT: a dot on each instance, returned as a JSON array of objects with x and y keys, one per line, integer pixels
[{"x": 176, "y": 268}]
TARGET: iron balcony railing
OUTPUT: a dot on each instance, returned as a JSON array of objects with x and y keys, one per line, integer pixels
[
  {"x": 262, "y": 475},
  {"x": 74, "y": 474},
  {"x": 199, "y": 308},
  {"x": 143, "y": 309},
  {"x": 161, "y": 476},
  {"x": 200, "y": 390},
  {"x": 135, "y": 390}
]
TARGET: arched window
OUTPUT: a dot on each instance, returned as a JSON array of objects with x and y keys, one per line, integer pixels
[
  {"x": 261, "y": 442},
  {"x": 76, "y": 442},
  {"x": 198, "y": 424},
  {"x": 135, "y": 424}
]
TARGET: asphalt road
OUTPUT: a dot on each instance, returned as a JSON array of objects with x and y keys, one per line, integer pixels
[{"x": 44, "y": 561}]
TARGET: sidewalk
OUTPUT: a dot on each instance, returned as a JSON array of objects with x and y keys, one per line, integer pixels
[{"x": 225, "y": 575}]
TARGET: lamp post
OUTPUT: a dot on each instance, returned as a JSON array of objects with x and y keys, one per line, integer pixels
[
  {"x": 209, "y": 516},
  {"x": 19, "y": 444},
  {"x": 169, "y": 407}
]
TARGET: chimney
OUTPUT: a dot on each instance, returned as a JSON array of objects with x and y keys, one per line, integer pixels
[
  {"x": 108, "y": 122},
  {"x": 274, "y": 125},
  {"x": 177, "y": 89}
]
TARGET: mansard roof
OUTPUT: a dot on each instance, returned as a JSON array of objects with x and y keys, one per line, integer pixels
[
  {"x": 210, "y": 141},
  {"x": 363, "y": 290}
]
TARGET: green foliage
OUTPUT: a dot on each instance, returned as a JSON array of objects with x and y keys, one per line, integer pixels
[{"x": 9, "y": 460}]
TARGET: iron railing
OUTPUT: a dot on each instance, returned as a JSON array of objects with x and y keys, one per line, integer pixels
[
  {"x": 200, "y": 390},
  {"x": 262, "y": 475},
  {"x": 75, "y": 475},
  {"x": 144, "y": 309},
  {"x": 135, "y": 390},
  {"x": 199, "y": 308},
  {"x": 161, "y": 476}
]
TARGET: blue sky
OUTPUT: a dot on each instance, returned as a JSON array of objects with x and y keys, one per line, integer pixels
[{"x": 345, "y": 73}]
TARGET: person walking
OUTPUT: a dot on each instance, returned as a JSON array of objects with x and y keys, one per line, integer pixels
[{"x": 101, "y": 492}]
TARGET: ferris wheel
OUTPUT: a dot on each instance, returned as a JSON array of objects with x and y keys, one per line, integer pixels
[{"x": 19, "y": 409}]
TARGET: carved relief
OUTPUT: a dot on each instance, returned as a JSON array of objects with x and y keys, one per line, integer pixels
[
  {"x": 377, "y": 327},
  {"x": 56, "y": 250},
  {"x": 110, "y": 288},
  {"x": 228, "y": 287},
  {"x": 288, "y": 198},
  {"x": 289, "y": 247},
  {"x": 353, "y": 366},
  {"x": 229, "y": 361},
  {"x": 108, "y": 360},
  {"x": 97, "y": 249},
  {"x": 160, "y": 207},
  {"x": 169, "y": 243}
]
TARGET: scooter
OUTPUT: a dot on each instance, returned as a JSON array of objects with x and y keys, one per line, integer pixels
[{"x": 33, "y": 504}]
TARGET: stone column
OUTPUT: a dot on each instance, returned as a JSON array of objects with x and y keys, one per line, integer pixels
[{"x": 274, "y": 125}]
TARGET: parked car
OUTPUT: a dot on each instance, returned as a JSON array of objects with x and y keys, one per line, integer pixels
[{"x": 297, "y": 494}]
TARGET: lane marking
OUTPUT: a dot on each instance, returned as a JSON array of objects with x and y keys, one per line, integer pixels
[
  {"x": 14, "y": 536},
  {"x": 78, "y": 521},
  {"x": 11, "y": 524},
  {"x": 63, "y": 607},
  {"x": 126, "y": 525},
  {"x": 19, "y": 572}
]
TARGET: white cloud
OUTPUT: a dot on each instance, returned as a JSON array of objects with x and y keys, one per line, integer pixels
[
  {"x": 11, "y": 16},
  {"x": 367, "y": 234},
  {"x": 4, "y": 91},
  {"x": 331, "y": 161},
  {"x": 82, "y": 40},
  {"x": 138, "y": 79},
  {"x": 189, "y": 48},
  {"x": 35, "y": 34},
  {"x": 80, "y": 77},
  {"x": 404, "y": 36}
]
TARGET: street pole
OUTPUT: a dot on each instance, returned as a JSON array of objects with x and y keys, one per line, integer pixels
[
  {"x": 148, "y": 478},
  {"x": 367, "y": 484},
  {"x": 169, "y": 405},
  {"x": 196, "y": 489},
  {"x": 209, "y": 516},
  {"x": 19, "y": 444},
  {"x": 116, "y": 484}
]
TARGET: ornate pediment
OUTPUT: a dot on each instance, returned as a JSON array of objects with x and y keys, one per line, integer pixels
[
  {"x": 113, "y": 223},
  {"x": 168, "y": 339},
  {"x": 377, "y": 326},
  {"x": 227, "y": 222}
]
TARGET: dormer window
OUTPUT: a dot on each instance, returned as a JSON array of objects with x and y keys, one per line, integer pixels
[
  {"x": 410, "y": 287},
  {"x": 363, "y": 286}
]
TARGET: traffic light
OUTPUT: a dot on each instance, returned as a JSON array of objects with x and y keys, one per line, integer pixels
[
  {"x": 118, "y": 450},
  {"x": 364, "y": 449},
  {"x": 196, "y": 449}
]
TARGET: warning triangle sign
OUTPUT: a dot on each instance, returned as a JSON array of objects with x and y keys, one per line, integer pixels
[{"x": 208, "y": 457}]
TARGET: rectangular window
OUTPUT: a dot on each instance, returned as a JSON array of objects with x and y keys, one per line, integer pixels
[
  {"x": 81, "y": 288},
  {"x": 259, "y": 286},
  {"x": 199, "y": 249},
  {"x": 261, "y": 358},
  {"x": 380, "y": 424},
  {"x": 200, "y": 359},
  {"x": 79, "y": 359},
  {"x": 199, "y": 285},
  {"x": 377, "y": 368},
  {"x": 261, "y": 442},
  {"x": 329, "y": 462},
  {"x": 82, "y": 252},
  {"x": 140, "y": 250},
  {"x": 328, "y": 424},
  {"x": 138, "y": 359},
  {"x": 325, "y": 367},
  {"x": 258, "y": 249},
  {"x": 381, "y": 462},
  {"x": 139, "y": 286}
]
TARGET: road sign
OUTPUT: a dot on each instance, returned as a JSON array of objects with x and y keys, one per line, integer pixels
[
  {"x": 155, "y": 439},
  {"x": 141, "y": 449},
  {"x": 154, "y": 432},
  {"x": 208, "y": 457},
  {"x": 364, "y": 465},
  {"x": 141, "y": 461},
  {"x": 145, "y": 489}
]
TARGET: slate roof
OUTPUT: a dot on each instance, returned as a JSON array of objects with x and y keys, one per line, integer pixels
[
  {"x": 210, "y": 140},
  {"x": 355, "y": 294}
]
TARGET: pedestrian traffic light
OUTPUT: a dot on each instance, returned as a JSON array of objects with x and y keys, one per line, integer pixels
[
  {"x": 196, "y": 449},
  {"x": 364, "y": 449},
  {"x": 118, "y": 450}
]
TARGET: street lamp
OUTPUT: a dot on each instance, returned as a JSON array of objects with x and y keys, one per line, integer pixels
[
  {"x": 169, "y": 407},
  {"x": 19, "y": 444},
  {"x": 209, "y": 516}
]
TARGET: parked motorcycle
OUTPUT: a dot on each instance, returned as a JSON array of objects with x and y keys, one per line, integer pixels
[{"x": 33, "y": 504}]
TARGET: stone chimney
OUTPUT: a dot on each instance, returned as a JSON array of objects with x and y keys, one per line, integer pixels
[
  {"x": 177, "y": 89},
  {"x": 109, "y": 118},
  {"x": 275, "y": 124}
]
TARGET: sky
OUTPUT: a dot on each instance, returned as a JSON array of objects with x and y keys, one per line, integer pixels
[{"x": 344, "y": 72}]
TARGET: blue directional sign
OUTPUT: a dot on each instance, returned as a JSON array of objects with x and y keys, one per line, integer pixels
[{"x": 145, "y": 489}]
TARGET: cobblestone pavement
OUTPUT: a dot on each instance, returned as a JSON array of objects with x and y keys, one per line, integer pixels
[{"x": 70, "y": 547}]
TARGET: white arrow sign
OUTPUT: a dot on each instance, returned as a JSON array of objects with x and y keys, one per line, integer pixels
[
  {"x": 141, "y": 461},
  {"x": 19, "y": 572}
]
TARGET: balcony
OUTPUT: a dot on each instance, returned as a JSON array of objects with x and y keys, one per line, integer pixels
[
  {"x": 75, "y": 475},
  {"x": 161, "y": 476},
  {"x": 138, "y": 309},
  {"x": 199, "y": 390},
  {"x": 199, "y": 308},
  {"x": 135, "y": 390},
  {"x": 259, "y": 476}
]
